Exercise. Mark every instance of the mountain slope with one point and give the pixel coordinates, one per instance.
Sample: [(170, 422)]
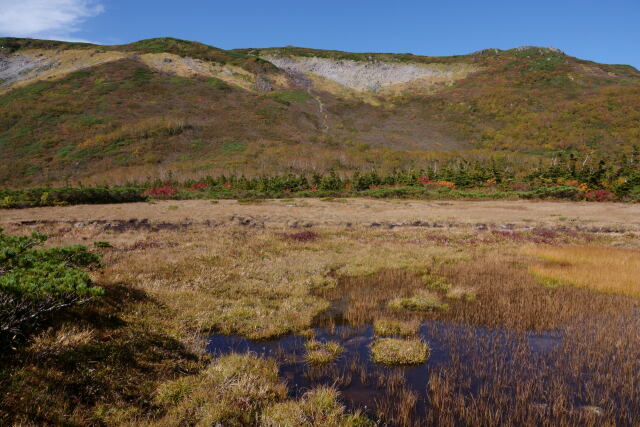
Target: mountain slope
[(72, 111)]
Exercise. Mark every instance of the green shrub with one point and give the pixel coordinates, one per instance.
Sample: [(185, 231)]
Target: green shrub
[(37, 282), (557, 192), (69, 196)]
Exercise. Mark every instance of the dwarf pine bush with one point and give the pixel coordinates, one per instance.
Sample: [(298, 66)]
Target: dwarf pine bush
[(35, 282)]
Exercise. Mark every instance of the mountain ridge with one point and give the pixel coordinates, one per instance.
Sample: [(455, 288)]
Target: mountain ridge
[(74, 111)]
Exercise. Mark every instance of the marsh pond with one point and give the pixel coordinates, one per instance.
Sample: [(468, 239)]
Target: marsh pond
[(461, 346)]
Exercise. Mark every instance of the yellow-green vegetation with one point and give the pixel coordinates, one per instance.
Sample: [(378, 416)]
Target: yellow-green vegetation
[(615, 270), (288, 97), (319, 353), (392, 327), (318, 407), (395, 351), (420, 301), (466, 294), (230, 391), (436, 283)]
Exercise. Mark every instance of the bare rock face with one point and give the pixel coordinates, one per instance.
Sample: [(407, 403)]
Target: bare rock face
[(543, 49), (14, 68), (263, 84), (366, 75)]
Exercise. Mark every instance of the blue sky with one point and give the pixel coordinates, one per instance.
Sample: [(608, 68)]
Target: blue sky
[(603, 31)]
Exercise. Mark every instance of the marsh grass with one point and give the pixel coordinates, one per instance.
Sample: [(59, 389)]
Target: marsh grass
[(615, 270), (394, 351), (466, 294), (230, 391), (137, 357)]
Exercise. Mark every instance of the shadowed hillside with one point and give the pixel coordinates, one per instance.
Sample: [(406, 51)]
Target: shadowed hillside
[(81, 112)]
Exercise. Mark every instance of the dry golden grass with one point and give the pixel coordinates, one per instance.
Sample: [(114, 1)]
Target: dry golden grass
[(318, 407), (230, 391), (147, 128), (256, 283), (603, 269)]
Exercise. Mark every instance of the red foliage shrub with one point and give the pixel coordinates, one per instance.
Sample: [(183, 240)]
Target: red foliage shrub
[(199, 186), (600, 195), (165, 190)]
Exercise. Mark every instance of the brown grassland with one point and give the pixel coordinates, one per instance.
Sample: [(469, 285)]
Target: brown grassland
[(173, 276)]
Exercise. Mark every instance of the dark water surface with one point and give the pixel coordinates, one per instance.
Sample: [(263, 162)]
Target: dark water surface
[(581, 370), (364, 384)]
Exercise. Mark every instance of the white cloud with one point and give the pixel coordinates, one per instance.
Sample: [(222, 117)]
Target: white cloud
[(49, 19)]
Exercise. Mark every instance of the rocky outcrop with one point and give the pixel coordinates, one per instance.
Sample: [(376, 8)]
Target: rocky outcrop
[(18, 67), (369, 75)]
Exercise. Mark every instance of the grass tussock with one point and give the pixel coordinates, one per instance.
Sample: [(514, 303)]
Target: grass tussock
[(420, 301), (394, 351), (318, 407), (436, 283), (392, 327), (614, 270), (319, 353), (229, 392)]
